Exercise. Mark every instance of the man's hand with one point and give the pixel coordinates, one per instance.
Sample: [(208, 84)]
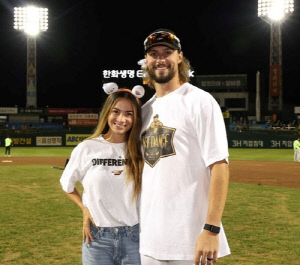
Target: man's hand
[(207, 247)]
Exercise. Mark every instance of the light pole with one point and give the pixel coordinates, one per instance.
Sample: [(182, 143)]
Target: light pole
[(275, 12), (31, 20)]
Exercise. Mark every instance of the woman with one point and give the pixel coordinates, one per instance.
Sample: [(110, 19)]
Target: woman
[(109, 165)]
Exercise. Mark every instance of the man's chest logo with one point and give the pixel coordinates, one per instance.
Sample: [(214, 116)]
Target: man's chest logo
[(157, 142)]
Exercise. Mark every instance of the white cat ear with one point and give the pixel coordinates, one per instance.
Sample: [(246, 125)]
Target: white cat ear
[(110, 88), (142, 63), (138, 91)]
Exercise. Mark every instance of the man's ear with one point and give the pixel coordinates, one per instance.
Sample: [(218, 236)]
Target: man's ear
[(180, 55)]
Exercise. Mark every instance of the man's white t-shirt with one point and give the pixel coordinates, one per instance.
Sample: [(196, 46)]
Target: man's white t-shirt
[(99, 166), (183, 133)]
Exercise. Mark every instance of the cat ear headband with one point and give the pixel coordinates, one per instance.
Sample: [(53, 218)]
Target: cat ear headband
[(110, 88)]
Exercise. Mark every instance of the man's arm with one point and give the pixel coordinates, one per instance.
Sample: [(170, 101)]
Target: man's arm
[(218, 192), (207, 244)]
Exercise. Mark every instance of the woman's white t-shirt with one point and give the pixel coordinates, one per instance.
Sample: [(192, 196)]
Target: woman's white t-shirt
[(99, 166)]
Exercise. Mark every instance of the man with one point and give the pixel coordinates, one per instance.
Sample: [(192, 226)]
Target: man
[(186, 174), (8, 144), (297, 150)]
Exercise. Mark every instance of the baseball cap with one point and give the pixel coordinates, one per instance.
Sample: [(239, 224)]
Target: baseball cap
[(162, 37)]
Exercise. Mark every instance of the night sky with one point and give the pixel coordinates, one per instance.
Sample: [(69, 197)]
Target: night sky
[(86, 37)]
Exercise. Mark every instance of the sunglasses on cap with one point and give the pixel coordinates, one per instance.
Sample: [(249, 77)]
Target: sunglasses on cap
[(163, 38)]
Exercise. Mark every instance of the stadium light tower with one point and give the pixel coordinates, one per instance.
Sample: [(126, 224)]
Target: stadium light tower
[(275, 12), (31, 20)]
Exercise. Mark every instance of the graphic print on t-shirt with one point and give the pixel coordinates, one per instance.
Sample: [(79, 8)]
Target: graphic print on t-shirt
[(110, 162), (157, 142), (117, 172)]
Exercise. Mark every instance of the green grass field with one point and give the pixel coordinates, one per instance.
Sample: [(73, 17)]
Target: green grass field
[(40, 226), (41, 151), (284, 155), (235, 153)]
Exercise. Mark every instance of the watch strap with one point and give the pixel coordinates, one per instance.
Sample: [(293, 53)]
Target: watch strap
[(212, 228)]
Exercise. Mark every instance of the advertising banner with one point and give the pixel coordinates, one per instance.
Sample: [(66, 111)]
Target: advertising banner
[(69, 110), (84, 119), (22, 141), (8, 110), (222, 82), (275, 80), (260, 140), (75, 139), (49, 141)]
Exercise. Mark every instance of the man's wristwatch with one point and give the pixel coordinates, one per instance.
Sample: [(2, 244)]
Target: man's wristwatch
[(212, 228)]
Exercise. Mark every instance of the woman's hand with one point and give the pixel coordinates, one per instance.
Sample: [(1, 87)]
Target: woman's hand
[(86, 230)]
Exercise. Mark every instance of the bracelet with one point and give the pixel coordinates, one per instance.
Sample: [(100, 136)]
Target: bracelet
[(212, 228)]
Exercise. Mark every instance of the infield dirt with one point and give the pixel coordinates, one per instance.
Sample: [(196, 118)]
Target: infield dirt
[(281, 174)]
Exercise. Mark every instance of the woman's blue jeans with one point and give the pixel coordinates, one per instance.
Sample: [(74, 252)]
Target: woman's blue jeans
[(112, 246)]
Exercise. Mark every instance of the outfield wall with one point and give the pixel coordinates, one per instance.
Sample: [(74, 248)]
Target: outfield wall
[(261, 139), (46, 138)]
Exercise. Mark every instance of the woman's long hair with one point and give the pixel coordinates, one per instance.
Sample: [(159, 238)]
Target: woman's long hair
[(133, 152)]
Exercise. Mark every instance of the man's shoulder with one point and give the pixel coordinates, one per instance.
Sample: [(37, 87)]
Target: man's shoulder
[(148, 102), (196, 92)]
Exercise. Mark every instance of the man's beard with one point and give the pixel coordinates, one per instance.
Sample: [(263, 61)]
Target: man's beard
[(161, 79)]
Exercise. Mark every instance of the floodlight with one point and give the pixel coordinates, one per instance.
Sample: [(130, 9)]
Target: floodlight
[(275, 12), (32, 20)]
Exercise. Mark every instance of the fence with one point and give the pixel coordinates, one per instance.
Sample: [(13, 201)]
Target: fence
[(73, 136)]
